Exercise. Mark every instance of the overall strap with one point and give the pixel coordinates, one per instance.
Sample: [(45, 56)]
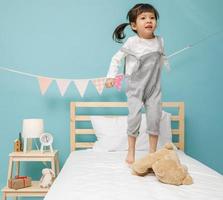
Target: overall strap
[(160, 44), (128, 52), (165, 59)]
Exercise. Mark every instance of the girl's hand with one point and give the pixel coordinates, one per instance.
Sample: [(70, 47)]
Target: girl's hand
[(110, 82)]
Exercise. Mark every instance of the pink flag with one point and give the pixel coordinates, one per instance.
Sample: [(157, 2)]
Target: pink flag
[(118, 81), (99, 84), (44, 83), (63, 84)]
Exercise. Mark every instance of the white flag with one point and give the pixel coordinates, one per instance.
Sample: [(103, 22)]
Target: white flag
[(63, 85), (81, 85)]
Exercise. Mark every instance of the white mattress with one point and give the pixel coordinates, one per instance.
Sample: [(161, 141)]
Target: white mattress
[(89, 175)]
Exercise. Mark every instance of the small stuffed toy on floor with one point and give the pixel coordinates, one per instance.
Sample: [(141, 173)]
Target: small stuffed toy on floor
[(166, 166), (47, 178)]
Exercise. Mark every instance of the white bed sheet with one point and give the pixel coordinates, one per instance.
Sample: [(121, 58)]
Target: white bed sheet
[(90, 175)]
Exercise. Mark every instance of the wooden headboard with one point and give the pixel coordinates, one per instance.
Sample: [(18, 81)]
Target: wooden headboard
[(74, 117)]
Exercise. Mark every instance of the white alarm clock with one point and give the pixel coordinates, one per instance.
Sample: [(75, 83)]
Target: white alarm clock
[(46, 139)]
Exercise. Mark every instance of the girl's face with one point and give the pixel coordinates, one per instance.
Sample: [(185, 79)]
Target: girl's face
[(145, 25)]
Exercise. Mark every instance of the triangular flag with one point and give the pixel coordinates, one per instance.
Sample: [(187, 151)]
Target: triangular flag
[(44, 83), (81, 85), (99, 84), (118, 81), (62, 85)]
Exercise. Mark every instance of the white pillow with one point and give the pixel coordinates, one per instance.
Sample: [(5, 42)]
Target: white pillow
[(111, 133)]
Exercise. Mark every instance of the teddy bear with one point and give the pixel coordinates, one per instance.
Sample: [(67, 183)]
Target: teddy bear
[(166, 166), (47, 178)]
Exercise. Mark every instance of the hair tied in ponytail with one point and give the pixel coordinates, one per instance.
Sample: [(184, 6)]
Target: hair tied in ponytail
[(118, 34)]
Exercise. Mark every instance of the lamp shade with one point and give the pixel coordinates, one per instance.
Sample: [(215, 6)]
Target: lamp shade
[(32, 128)]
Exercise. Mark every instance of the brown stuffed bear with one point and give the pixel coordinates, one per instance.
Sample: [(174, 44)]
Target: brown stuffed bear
[(166, 166)]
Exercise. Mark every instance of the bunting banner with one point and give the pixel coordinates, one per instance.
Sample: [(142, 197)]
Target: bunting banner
[(63, 84)]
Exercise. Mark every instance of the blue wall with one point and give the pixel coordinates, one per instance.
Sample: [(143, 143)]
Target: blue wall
[(72, 39)]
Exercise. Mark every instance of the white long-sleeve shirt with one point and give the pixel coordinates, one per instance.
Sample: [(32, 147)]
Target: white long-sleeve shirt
[(137, 45)]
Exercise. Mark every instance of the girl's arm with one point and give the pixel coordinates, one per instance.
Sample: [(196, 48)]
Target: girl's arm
[(115, 63), (113, 69)]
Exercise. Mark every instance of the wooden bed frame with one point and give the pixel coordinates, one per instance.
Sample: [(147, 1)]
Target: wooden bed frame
[(74, 117)]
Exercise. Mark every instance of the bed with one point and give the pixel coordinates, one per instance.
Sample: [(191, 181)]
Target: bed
[(95, 175)]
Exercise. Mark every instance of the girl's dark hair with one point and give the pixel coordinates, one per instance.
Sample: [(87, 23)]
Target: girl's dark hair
[(118, 34)]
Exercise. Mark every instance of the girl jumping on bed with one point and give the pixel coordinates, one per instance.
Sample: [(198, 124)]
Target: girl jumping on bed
[(144, 58)]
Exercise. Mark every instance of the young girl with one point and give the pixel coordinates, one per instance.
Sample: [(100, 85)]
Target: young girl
[(143, 54)]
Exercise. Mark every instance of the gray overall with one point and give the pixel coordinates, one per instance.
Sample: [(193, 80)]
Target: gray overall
[(143, 87)]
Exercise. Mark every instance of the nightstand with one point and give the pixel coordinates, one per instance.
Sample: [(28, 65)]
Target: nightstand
[(36, 156)]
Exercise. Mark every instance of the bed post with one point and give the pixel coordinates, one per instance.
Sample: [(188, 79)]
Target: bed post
[(72, 126), (181, 125)]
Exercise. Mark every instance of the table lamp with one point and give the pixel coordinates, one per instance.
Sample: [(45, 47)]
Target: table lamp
[(31, 128)]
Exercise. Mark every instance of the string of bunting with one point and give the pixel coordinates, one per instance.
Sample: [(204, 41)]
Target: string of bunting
[(62, 84), (81, 84)]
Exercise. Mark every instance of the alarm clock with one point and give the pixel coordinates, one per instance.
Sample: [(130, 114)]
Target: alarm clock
[(46, 140)]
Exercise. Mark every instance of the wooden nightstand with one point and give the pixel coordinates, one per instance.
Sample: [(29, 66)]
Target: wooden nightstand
[(34, 190)]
